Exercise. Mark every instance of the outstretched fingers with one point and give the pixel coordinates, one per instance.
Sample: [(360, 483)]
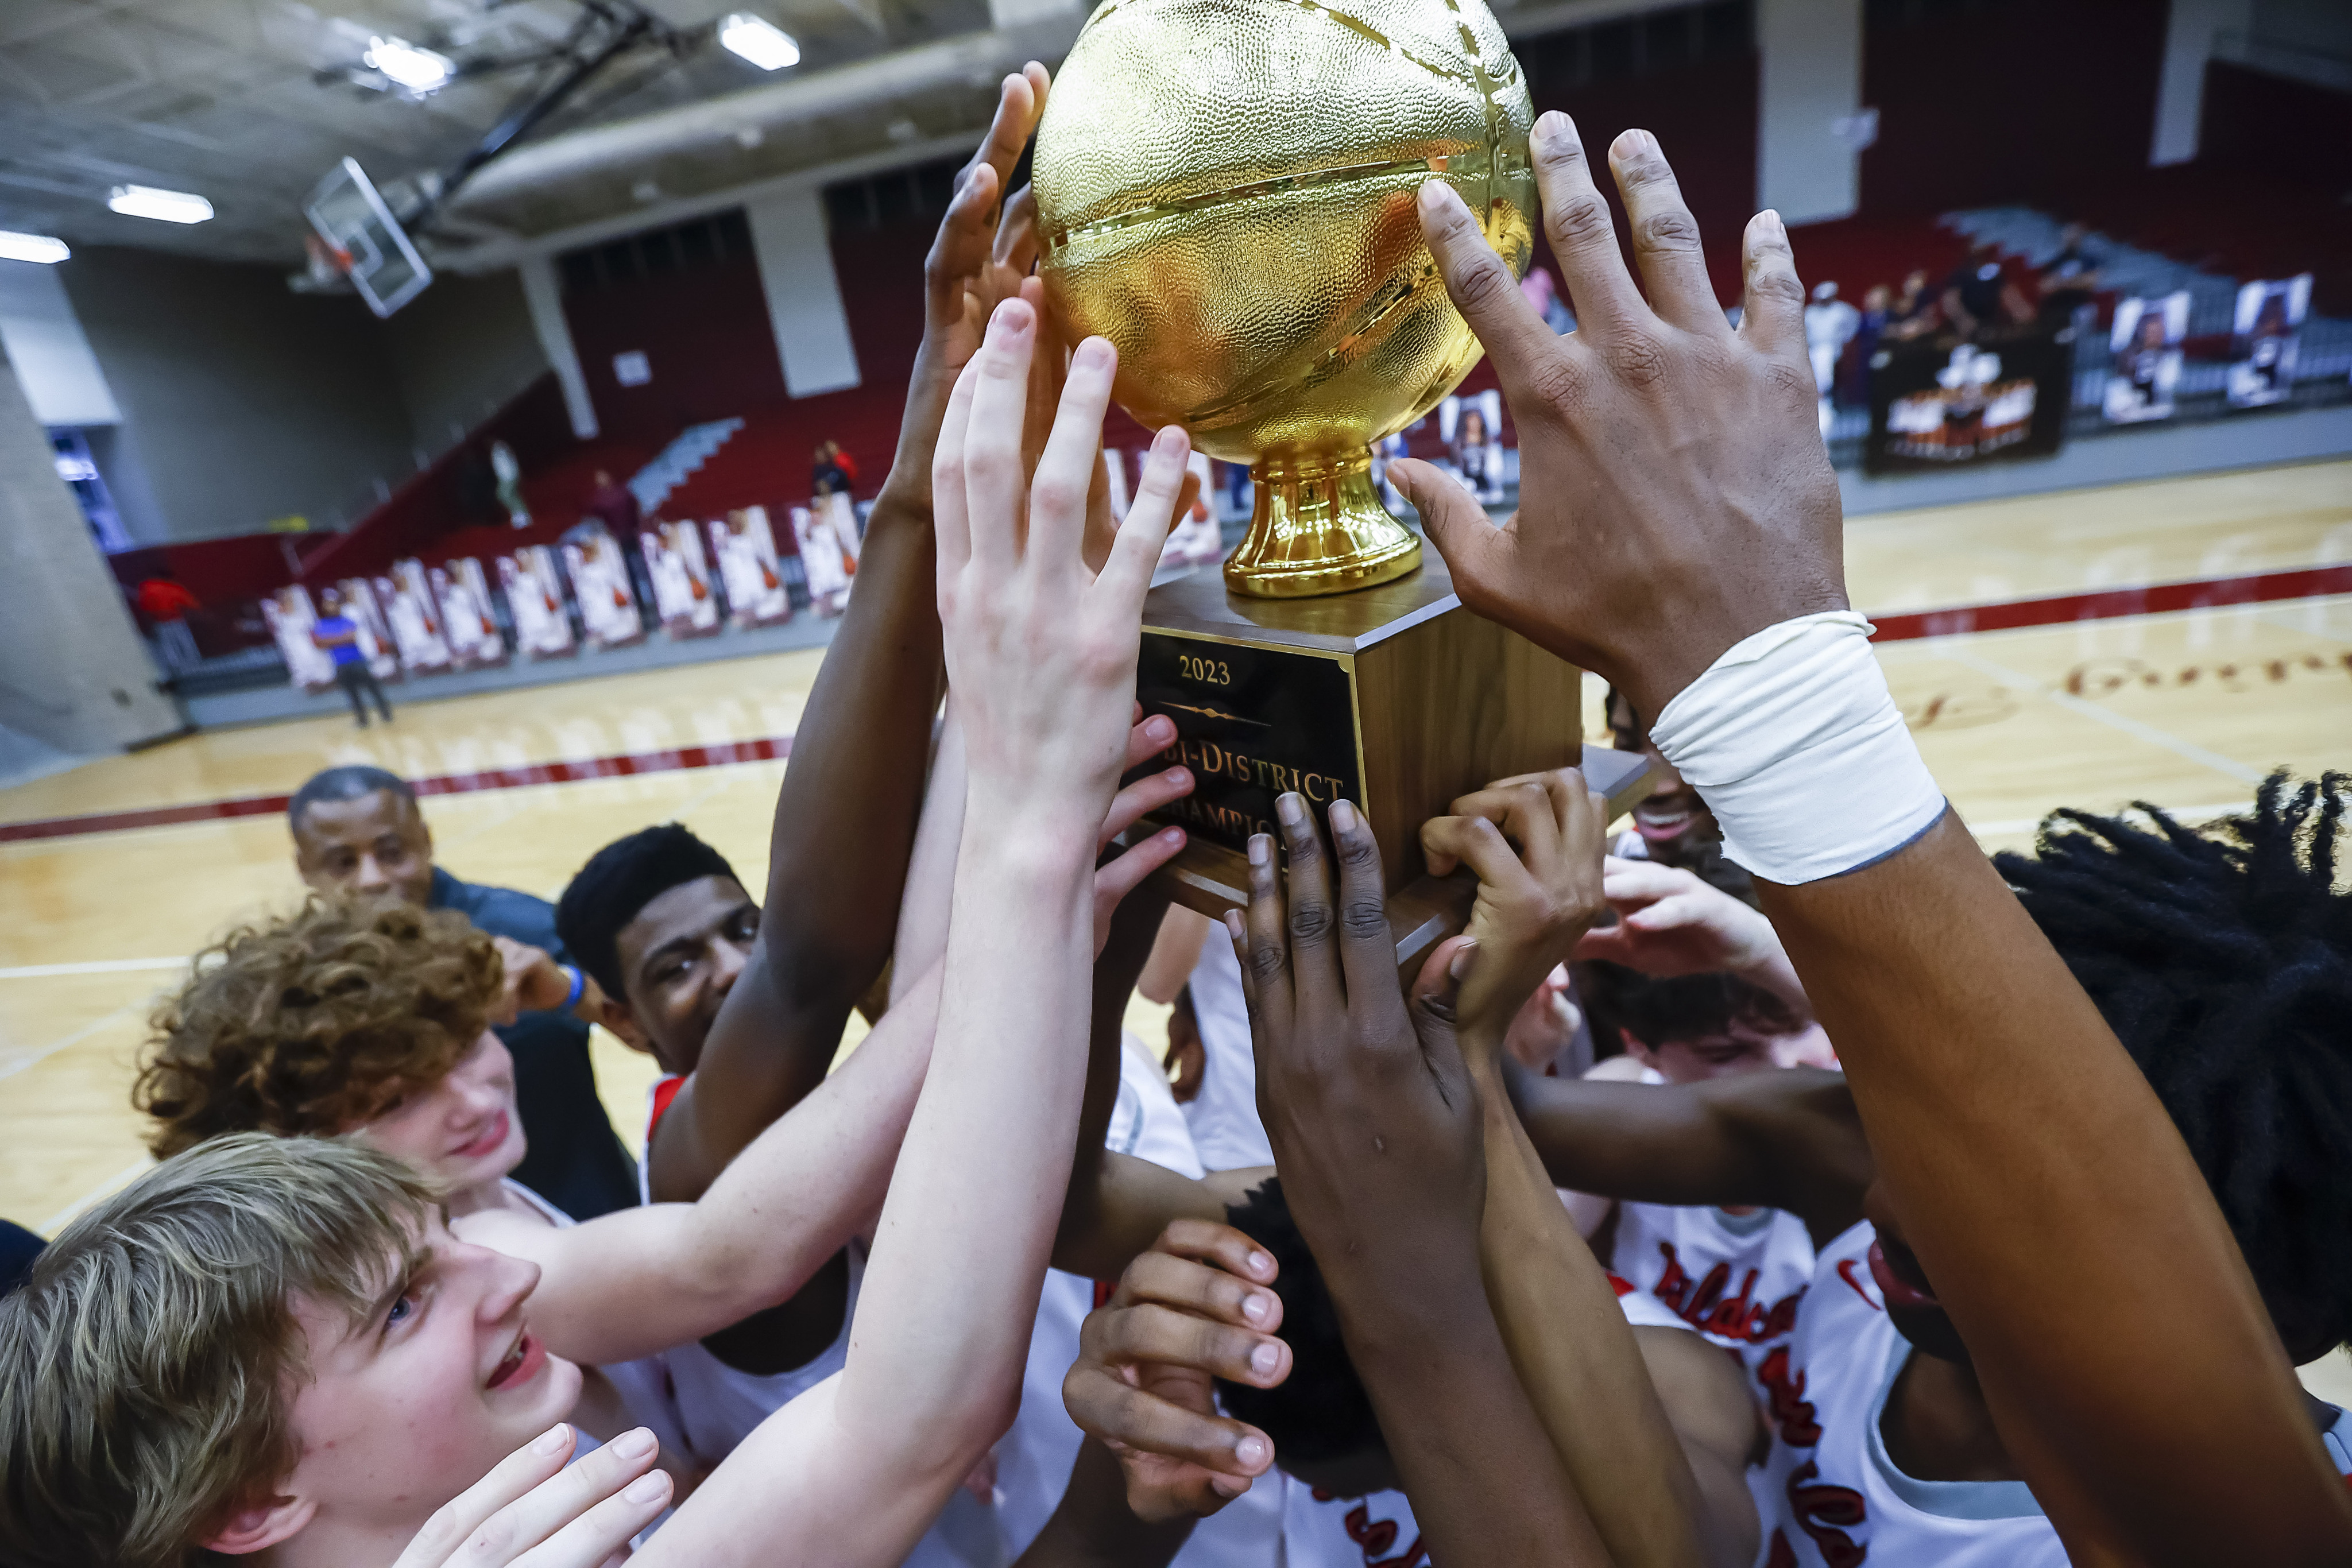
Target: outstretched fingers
[(1066, 471), (994, 476), (950, 503), (1474, 549), (1772, 313), (1577, 221), (1367, 951), (1158, 491), (1665, 236), (1482, 287), (1312, 923)]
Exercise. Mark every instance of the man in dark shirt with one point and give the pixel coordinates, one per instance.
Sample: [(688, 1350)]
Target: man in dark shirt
[(1979, 294), (2069, 279), (340, 637), (358, 830), (615, 505)]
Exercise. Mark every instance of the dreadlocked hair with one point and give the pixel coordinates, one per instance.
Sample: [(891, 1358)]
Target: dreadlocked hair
[(2222, 956)]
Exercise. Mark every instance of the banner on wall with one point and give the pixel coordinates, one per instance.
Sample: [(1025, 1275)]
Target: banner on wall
[(681, 578), (534, 591), (2146, 344), (414, 619), (1934, 409), (466, 622), (2265, 339), (365, 612), (599, 582), (757, 594), (289, 615)]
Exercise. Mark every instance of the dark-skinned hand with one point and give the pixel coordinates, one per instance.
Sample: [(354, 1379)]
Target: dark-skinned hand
[(1675, 496), (1368, 1106), (1533, 903), (1188, 1311)]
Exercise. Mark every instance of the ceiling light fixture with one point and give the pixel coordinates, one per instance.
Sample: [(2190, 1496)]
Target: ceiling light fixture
[(758, 40), (418, 69), (164, 206), (31, 248)]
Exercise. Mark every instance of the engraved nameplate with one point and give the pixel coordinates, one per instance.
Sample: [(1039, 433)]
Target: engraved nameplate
[(1251, 723)]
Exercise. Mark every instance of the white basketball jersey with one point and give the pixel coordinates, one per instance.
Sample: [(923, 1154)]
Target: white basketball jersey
[(1377, 1530), (1735, 1277), (1034, 1460), (1223, 1115)]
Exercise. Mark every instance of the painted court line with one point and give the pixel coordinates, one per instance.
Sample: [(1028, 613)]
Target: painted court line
[(2113, 720), (99, 966), (2106, 605)]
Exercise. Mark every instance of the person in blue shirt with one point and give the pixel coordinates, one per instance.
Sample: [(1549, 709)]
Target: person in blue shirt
[(358, 830), (340, 637)]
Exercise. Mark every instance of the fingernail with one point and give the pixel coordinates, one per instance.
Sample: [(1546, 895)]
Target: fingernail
[(1227, 1486), (1258, 1262), (1170, 438), (1159, 729), (1438, 198), (1251, 1451), (1635, 142), (1551, 124), (648, 1487), (633, 1443), (1773, 225), (1235, 928), (551, 1440), (1094, 354), (1343, 817), (1459, 966), (1011, 319), (1290, 809), (1178, 775), (1173, 836), (1261, 849), (1264, 1359), (1254, 1308)]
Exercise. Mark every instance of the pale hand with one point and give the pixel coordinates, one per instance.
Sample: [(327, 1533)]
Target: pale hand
[(531, 1511), (532, 982), (1670, 922), (1186, 1312), (1677, 497)]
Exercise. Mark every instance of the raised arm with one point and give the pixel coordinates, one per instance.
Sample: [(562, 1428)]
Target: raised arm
[(846, 812), (1041, 653), (2035, 1172), (1572, 1347), (1375, 1126)]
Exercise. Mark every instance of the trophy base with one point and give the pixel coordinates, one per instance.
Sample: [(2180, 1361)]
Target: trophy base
[(1318, 528)]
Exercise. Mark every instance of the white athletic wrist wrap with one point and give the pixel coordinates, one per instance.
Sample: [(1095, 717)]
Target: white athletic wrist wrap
[(1792, 739)]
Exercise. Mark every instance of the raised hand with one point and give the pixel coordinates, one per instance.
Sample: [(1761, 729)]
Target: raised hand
[(1119, 875), (1677, 496), (1185, 1314), (1377, 1127), (984, 250), (531, 1511), (1671, 923), (1532, 905), (1041, 649)]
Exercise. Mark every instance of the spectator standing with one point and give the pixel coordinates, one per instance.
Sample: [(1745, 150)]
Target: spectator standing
[(1979, 295), (2069, 279), (1830, 325), (510, 488), (340, 637), (615, 507), (167, 603), (1916, 312), (358, 830), (1877, 317)]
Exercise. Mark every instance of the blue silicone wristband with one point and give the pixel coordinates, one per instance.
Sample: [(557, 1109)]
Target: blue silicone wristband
[(579, 986)]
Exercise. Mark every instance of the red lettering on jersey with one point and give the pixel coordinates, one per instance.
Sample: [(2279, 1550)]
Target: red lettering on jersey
[(1377, 1538), (1622, 1285), (1704, 1307), (1789, 1407), (1783, 1555), (1821, 1511)]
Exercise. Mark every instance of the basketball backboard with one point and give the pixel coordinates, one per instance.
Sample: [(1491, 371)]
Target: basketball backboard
[(365, 240)]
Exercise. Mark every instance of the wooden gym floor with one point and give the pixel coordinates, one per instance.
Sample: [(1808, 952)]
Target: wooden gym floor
[(2170, 642)]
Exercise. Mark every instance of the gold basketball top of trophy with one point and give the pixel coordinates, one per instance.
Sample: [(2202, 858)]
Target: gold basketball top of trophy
[(1226, 190)]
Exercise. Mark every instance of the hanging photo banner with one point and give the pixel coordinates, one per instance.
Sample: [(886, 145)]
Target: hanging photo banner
[(682, 598), (365, 612), (464, 595), (290, 615), (534, 591), (745, 546), (600, 582), (2146, 344), (415, 620), (1934, 409), (2265, 338)]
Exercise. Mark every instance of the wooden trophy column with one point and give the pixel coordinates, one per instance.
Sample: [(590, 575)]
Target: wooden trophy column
[(1394, 697)]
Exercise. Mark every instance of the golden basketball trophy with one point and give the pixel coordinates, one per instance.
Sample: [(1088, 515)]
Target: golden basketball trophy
[(1226, 190)]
